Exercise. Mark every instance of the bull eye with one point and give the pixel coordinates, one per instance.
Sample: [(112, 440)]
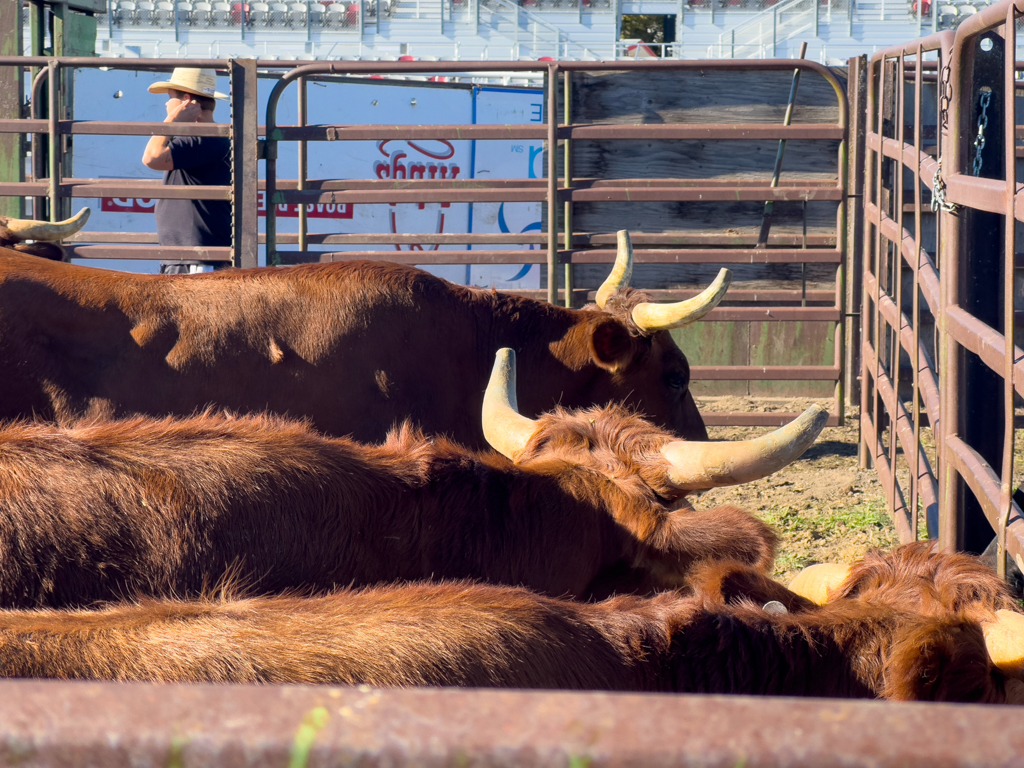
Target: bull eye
[(677, 380)]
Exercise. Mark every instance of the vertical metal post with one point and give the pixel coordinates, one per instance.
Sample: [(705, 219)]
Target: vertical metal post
[(948, 244), (982, 422), (915, 311), (53, 137), (855, 215), (244, 171), (567, 224), (12, 153), (1009, 253), (897, 292), (303, 167), (552, 104)]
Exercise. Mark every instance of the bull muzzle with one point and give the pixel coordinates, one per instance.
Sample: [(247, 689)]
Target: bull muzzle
[(30, 229), (650, 317)]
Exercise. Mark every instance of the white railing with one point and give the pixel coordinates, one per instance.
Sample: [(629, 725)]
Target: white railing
[(533, 36), (759, 36)]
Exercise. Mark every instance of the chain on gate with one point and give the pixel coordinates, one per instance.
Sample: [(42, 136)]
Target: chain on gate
[(979, 141), (939, 201)]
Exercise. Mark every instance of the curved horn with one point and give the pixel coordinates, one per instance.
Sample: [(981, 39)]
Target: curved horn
[(815, 581), (1004, 639), (28, 229), (664, 317), (505, 429), (698, 466), (622, 270)]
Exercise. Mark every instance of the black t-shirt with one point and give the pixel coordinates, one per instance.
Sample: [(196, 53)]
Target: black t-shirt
[(197, 160)]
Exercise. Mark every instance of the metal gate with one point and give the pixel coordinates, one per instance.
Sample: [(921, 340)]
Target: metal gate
[(564, 191), (942, 208)]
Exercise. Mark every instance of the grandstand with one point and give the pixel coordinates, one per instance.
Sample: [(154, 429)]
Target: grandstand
[(476, 30)]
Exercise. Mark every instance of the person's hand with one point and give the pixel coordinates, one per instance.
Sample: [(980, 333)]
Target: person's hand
[(183, 112)]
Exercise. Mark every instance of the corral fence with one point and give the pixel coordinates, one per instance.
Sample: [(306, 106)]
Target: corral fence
[(941, 289), (714, 194), (932, 288)]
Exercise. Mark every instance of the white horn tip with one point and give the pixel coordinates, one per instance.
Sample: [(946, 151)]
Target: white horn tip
[(815, 581), (1004, 639)]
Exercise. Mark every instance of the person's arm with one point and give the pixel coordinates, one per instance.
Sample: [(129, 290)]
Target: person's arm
[(157, 154)]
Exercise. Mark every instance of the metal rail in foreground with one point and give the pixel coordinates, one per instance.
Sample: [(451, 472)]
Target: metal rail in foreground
[(192, 726)]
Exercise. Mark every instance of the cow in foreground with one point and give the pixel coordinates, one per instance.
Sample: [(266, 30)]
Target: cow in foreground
[(458, 634), (586, 503), (355, 347)]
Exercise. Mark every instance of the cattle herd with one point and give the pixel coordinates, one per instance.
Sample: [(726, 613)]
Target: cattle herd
[(360, 473)]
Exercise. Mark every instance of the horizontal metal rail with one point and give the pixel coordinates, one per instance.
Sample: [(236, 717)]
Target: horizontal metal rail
[(58, 723)]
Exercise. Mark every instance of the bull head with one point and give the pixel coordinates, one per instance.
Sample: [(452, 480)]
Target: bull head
[(649, 317), (20, 230), (694, 466), (1004, 635)]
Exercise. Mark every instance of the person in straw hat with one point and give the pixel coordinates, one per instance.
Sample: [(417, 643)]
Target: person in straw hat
[(191, 160)]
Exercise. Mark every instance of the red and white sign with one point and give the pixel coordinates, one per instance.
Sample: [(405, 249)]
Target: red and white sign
[(287, 210)]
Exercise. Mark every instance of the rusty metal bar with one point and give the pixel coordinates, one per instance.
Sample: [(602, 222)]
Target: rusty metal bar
[(204, 725), (750, 255), (552, 192), (53, 149), (567, 223)]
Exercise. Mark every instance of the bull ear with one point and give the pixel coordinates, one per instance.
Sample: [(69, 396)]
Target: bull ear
[(611, 345)]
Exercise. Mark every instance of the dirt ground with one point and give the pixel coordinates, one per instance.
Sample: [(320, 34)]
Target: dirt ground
[(825, 508)]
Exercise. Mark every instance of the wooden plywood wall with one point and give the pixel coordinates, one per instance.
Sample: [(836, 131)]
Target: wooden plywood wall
[(709, 96)]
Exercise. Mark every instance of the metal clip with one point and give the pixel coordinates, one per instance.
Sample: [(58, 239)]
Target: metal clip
[(939, 201)]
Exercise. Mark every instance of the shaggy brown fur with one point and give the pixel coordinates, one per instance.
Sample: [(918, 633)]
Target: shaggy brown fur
[(356, 347), (480, 635), (934, 605), (111, 509)]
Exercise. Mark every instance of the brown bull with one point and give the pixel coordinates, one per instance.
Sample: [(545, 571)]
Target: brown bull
[(112, 509), (489, 636), (354, 347)]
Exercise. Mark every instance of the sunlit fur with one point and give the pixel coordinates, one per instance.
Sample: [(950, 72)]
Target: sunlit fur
[(909, 620), (461, 634), (108, 509), (355, 347)]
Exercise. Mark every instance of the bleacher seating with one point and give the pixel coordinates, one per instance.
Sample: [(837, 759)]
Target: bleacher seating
[(125, 14), (334, 16), (259, 15), (184, 13), (202, 13), (144, 13), (297, 13), (163, 14), (317, 14), (278, 14), (220, 15)]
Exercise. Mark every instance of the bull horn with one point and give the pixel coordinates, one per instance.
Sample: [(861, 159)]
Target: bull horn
[(505, 429), (622, 270), (29, 229), (1004, 639), (664, 317), (815, 581), (698, 466)]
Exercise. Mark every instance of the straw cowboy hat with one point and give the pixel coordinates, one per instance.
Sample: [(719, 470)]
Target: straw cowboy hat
[(201, 82)]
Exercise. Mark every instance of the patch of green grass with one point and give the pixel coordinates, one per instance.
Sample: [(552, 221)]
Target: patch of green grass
[(829, 522)]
